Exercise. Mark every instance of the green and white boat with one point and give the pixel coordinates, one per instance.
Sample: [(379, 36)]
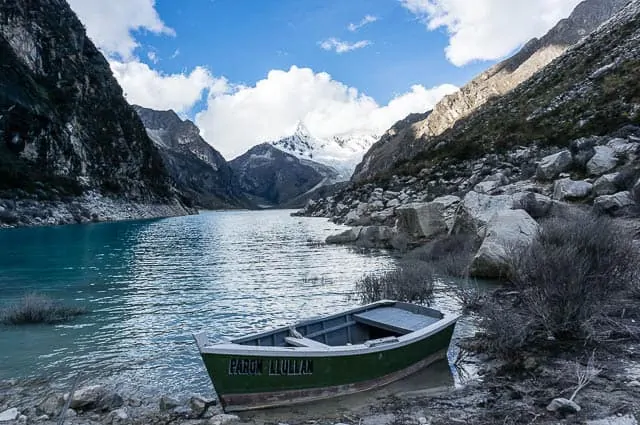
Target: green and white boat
[(345, 353)]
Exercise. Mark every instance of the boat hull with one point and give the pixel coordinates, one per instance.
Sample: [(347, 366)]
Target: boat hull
[(246, 381)]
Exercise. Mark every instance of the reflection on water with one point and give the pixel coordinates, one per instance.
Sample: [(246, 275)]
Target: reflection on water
[(150, 284)]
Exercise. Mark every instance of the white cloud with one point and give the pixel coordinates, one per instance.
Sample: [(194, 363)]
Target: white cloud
[(340, 46), (152, 89), (109, 23), (235, 121), (368, 19), (153, 56), (489, 29)]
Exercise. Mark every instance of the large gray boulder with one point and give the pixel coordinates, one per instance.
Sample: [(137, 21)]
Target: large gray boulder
[(551, 166), (614, 204), (605, 185), (427, 220), (346, 237), (478, 209), (602, 162), (622, 146), (366, 237), (567, 189), (507, 230), (535, 204)]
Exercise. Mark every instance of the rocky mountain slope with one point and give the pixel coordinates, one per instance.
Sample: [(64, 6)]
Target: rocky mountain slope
[(272, 177), (341, 152), (566, 139), (496, 81), (197, 168), (66, 128)]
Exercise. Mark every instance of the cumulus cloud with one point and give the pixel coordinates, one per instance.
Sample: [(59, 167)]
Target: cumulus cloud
[(152, 89), (109, 23), (489, 29), (340, 46), (237, 120), (368, 19)]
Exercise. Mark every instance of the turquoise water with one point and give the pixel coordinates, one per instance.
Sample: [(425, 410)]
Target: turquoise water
[(150, 284)]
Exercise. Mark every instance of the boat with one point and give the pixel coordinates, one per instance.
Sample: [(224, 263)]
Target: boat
[(356, 350)]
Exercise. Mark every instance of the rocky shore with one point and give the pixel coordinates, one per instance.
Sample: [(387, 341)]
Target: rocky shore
[(90, 207)]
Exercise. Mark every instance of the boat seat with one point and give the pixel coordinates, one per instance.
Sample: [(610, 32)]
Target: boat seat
[(305, 342), (394, 319)]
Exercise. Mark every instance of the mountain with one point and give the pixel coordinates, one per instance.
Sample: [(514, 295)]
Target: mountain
[(65, 126), (198, 169), (498, 80), (272, 177), (341, 152)]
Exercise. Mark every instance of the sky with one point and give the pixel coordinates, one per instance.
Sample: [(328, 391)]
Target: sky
[(247, 71)]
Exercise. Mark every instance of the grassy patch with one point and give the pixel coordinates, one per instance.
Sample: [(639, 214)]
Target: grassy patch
[(410, 282), (37, 308)]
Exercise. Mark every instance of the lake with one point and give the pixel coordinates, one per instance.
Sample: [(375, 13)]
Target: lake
[(149, 285)]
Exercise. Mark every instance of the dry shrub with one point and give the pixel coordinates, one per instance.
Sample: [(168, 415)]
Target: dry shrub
[(565, 278), (410, 282), (36, 308)]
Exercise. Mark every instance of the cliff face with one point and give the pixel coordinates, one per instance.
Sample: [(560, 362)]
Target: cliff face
[(496, 81), (275, 178), (66, 127), (199, 171)]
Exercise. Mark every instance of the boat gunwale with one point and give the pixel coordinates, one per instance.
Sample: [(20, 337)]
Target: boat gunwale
[(333, 351)]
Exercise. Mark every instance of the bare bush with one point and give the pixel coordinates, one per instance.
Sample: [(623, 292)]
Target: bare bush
[(470, 295), (410, 282), (564, 279), (35, 308)]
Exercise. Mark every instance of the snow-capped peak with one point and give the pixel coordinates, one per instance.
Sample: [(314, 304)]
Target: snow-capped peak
[(342, 152)]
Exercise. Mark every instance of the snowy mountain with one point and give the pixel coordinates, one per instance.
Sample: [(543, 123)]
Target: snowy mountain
[(342, 152)]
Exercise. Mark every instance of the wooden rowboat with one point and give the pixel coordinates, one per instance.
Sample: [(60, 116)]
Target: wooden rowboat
[(352, 351)]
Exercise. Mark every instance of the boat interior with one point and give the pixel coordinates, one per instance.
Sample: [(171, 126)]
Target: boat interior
[(370, 325)]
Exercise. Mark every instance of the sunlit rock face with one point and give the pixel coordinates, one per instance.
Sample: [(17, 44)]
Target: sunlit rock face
[(65, 125), (496, 81)]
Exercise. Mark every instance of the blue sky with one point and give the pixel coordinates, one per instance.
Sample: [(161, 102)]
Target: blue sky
[(247, 71), (245, 39)]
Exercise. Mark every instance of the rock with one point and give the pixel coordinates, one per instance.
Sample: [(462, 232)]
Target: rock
[(42, 418), (487, 186), (628, 419), (506, 230), (582, 150), (223, 419), (118, 416), (563, 406), (70, 413), (346, 237), (603, 161), (22, 419), (199, 405), (614, 204), (622, 146), (606, 185), (375, 237), (535, 204), (552, 165), (393, 203), (51, 406), (478, 209), (167, 403), (567, 189), (87, 397), (9, 415), (384, 215), (425, 220)]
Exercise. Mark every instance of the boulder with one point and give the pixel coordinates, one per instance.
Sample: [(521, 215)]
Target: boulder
[(582, 150), (427, 220), (199, 405), (118, 416), (9, 415), (602, 162), (51, 405), (167, 403), (563, 406), (346, 237), (614, 204), (478, 209), (567, 189), (87, 398), (535, 204), (384, 215), (375, 237), (622, 146), (606, 185), (506, 230), (551, 166), (487, 186)]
